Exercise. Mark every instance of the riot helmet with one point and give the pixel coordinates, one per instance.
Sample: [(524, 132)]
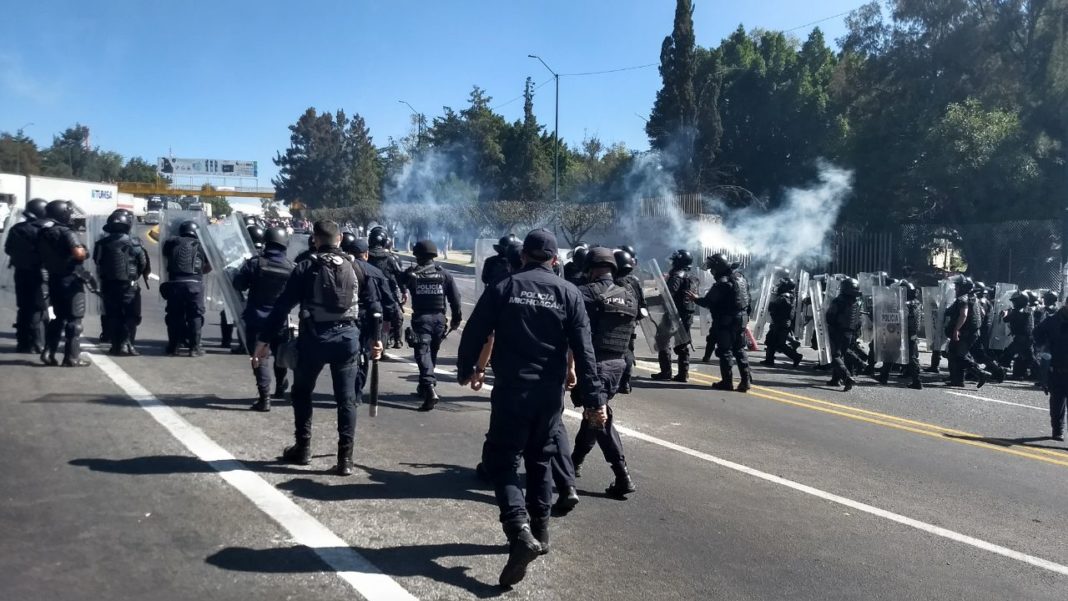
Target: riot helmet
[(786, 285), (964, 285), (276, 236), (502, 245), (348, 243), (717, 263), (910, 290), (256, 233), (1018, 299), (188, 229), (425, 249), (600, 256), (118, 222), (1032, 298), (849, 287), (60, 211), (1050, 298), (629, 250), (980, 290), (378, 237), (35, 209), (625, 262), (681, 259)]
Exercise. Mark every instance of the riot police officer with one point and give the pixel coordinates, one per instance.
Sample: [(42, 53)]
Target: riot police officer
[(430, 287), (964, 319), (63, 255), (729, 304), (912, 333), (121, 261), (226, 327), (683, 287), (1053, 334), (781, 311), (379, 255), (535, 319), (1042, 354), (613, 312), (496, 268), (31, 299), (1021, 352), (843, 323), (575, 269), (625, 265), (327, 289), (376, 302), (264, 277), (186, 265)]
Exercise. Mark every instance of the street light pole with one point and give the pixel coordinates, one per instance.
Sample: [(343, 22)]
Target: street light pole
[(419, 121), (556, 131)]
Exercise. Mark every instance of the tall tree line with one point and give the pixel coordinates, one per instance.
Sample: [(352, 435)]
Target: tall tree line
[(70, 156)]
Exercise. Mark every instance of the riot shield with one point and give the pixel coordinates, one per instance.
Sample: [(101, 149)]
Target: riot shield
[(888, 317), (227, 245), (831, 291), (168, 228), (934, 312), (999, 330), (94, 231), (803, 278), (819, 320), (704, 283), (663, 324), (7, 273), (483, 250), (760, 316), (868, 283)]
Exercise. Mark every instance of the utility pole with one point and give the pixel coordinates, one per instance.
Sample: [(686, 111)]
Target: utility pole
[(556, 132)]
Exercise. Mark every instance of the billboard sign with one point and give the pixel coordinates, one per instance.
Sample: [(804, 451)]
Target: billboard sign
[(212, 167)]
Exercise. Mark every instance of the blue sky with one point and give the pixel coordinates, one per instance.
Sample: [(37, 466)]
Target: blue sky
[(224, 79)]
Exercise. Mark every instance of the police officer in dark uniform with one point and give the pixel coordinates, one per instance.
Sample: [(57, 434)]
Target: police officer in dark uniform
[(1021, 352), (535, 318), (575, 269), (1042, 354), (626, 263), (226, 327), (376, 302), (912, 332), (683, 288), (843, 323), (186, 265), (327, 289), (981, 350), (263, 278), (380, 256), (496, 268), (31, 299), (430, 287), (613, 312), (729, 303), (1052, 333), (964, 321), (306, 254), (121, 261), (781, 311), (63, 256)]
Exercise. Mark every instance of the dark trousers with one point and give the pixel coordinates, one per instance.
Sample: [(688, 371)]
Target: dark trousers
[(32, 304), (263, 373), (1021, 353), (731, 346), (339, 347), (912, 367), (681, 350), (67, 295), (184, 312), (522, 423), (624, 382), (778, 341), (122, 311), (841, 348), (1058, 399), (960, 357), (429, 329), (608, 372)]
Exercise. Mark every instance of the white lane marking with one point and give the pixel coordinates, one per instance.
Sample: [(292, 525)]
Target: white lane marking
[(827, 496), (983, 398), (305, 530)]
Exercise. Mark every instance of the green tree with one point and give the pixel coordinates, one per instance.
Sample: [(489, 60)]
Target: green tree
[(18, 154), (137, 169), (315, 168), (527, 174), (672, 126), (364, 170)]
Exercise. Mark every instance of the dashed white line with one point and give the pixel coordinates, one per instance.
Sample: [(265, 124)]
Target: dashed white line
[(983, 398)]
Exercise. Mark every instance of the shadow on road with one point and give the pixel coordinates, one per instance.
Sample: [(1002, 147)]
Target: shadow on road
[(450, 482), (181, 464), (1013, 442), (414, 560)]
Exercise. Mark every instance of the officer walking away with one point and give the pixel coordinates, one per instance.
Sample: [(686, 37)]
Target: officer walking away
[(843, 323), (626, 263), (729, 303), (683, 288), (376, 299), (1052, 333), (379, 255), (327, 289), (1021, 352), (21, 245), (263, 278), (575, 269), (781, 310), (121, 261), (1042, 355), (63, 256), (613, 312), (535, 317), (495, 268), (186, 265), (965, 320), (430, 287)]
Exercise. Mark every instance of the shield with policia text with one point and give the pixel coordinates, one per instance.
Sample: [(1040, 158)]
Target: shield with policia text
[(662, 329), (934, 312), (483, 250), (888, 321), (227, 245), (819, 321), (999, 330), (868, 282)]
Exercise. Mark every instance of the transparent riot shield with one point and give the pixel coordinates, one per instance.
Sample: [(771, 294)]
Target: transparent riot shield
[(228, 246), (831, 291), (934, 313), (760, 315), (169, 223), (663, 324), (803, 278), (704, 283), (999, 330), (888, 317), (819, 321), (868, 283), (94, 231), (7, 273), (483, 250)]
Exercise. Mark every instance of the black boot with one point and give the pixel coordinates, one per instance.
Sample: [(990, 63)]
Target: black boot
[(683, 375), (172, 349), (769, 359), (299, 453), (344, 459), (983, 376), (916, 384), (623, 484), (849, 382), (280, 387), (567, 501), (539, 527), (262, 405), (726, 374), (523, 548), (747, 379), (116, 350), (665, 367), (227, 336), (48, 357), (430, 398), (130, 350), (195, 350)]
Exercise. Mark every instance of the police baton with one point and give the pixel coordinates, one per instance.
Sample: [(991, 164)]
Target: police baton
[(372, 403)]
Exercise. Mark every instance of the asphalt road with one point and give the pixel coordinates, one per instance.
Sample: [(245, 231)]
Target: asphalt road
[(148, 478)]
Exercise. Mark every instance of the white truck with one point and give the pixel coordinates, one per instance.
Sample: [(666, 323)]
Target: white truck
[(89, 198)]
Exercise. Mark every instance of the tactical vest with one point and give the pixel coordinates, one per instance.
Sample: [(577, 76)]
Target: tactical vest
[(185, 259), (682, 299), (1021, 322), (21, 244), (117, 261), (384, 261), (975, 316), (495, 269), (848, 315), (913, 318), (614, 319), (269, 281), (427, 284), (334, 295), (741, 292), (781, 310), (57, 244)]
